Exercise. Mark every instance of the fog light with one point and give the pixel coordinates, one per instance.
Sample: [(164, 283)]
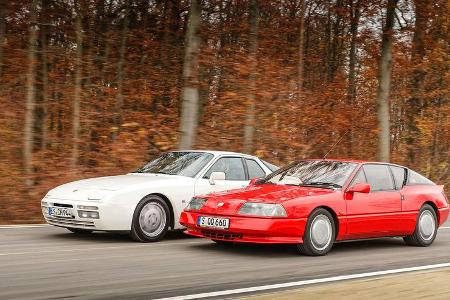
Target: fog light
[(88, 207), (88, 214)]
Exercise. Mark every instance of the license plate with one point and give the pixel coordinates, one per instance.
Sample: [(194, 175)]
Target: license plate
[(221, 223), (61, 212)]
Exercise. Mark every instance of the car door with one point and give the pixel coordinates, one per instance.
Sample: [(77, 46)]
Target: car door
[(235, 176), (376, 213)]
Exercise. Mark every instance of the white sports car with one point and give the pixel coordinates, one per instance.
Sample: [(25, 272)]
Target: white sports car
[(148, 202)]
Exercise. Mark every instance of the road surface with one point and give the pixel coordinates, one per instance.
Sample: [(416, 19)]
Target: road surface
[(52, 263)]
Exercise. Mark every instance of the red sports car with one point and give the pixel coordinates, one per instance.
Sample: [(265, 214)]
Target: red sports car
[(313, 203)]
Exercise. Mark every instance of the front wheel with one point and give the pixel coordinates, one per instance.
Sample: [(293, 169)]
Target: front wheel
[(151, 220), (426, 228), (319, 235)]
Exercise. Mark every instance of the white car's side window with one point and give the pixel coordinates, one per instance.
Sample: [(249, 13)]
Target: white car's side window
[(254, 169), (231, 166)]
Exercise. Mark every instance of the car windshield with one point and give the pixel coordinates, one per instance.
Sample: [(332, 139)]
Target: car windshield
[(320, 173), (177, 163)]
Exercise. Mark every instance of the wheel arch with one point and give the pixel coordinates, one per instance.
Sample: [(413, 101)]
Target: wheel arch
[(333, 214), (169, 204), (436, 210)]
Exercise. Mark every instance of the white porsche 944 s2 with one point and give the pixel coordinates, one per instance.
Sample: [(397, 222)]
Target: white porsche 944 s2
[(148, 202)]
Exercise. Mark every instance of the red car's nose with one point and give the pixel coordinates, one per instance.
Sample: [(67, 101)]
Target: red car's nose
[(221, 207)]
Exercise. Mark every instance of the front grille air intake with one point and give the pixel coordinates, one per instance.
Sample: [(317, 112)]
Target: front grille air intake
[(69, 222), (215, 234)]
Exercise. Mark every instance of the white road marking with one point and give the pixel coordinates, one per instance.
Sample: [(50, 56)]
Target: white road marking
[(23, 226), (305, 282), (100, 248), (445, 227)]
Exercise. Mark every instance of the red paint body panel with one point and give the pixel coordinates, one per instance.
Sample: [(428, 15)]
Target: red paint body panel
[(373, 214), (358, 215), (249, 229)]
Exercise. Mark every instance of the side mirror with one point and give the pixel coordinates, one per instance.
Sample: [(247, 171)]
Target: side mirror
[(254, 181), (216, 176), (360, 188)]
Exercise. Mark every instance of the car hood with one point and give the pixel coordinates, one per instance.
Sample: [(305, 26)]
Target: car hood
[(266, 193), (99, 187)]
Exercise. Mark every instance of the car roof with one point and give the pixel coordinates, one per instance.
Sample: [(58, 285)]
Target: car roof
[(357, 161), (216, 152)]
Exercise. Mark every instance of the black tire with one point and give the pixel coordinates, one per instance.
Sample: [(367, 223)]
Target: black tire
[(137, 233), (80, 231), (308, 247), (417, 238)]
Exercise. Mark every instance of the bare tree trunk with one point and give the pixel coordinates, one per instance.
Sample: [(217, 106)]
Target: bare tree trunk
[(355, 15), (78, 88), (44, 77), (190, 92), (423, 12), (335, 43), (249, 130), (351, 87), (120, 72), (31, 96), (384, 83), (2, 35), (301, 46)]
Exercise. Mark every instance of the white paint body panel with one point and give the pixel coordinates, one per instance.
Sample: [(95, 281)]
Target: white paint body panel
[(117, 196)]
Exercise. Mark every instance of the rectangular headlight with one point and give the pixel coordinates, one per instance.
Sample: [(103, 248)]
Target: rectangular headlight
[(88, 214), (196, 204), (262, 209), (87, 207)]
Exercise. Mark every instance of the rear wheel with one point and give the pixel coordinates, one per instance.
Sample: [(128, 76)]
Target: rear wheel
[(151, 220), (80, 231), (426, 228), (319, 233)]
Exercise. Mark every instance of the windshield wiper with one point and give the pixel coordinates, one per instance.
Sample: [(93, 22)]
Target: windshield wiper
[(158, 172), (323, 184)]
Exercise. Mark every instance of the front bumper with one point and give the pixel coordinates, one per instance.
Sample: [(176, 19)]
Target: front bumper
[(248, 229), (110, 218)]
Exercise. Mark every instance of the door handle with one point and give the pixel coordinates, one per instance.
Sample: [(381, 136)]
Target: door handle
[(402, 197)]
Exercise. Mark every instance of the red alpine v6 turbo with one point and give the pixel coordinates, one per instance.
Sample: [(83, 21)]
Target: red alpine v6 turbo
[(313, 203)]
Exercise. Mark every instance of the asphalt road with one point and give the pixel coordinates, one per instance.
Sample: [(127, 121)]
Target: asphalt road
[(52, 263)]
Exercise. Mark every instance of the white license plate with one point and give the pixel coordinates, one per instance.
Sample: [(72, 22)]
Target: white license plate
[(61, 212), (221, 223)]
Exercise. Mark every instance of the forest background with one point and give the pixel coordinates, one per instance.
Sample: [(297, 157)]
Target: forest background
[(99, 87)]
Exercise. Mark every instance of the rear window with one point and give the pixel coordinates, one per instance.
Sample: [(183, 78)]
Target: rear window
[(415, 178)]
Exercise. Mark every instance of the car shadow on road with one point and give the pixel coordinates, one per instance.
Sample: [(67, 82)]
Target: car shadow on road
[(114, 237), (279, 250)]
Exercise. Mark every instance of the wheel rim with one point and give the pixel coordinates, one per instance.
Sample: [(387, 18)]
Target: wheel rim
[(152, 219), (321, 232), (427, 225)]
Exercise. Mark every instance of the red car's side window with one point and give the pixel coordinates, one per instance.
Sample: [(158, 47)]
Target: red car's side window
[(360, 177), (399, 176), (379, 177)]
